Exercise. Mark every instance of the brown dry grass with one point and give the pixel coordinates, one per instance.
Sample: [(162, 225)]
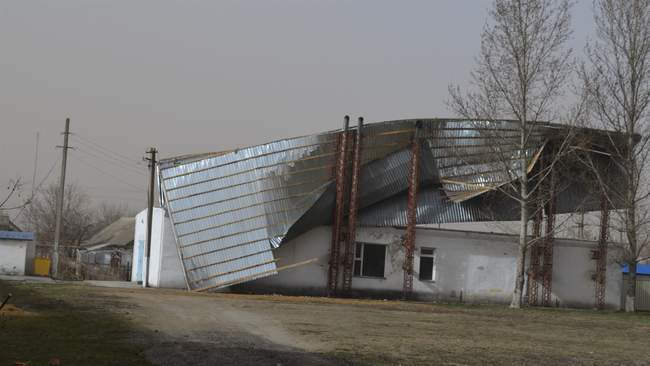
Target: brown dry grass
[(346, 331), (13, 310)]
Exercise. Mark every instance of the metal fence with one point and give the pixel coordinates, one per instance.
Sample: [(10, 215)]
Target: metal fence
[(106, 272), (69, 261), (643, 293), (74, 265)]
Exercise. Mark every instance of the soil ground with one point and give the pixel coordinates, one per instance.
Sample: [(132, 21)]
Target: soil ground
[(82, 324)]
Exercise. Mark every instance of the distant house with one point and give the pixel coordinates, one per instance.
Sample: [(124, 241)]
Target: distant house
[(16, 248), (108, 254), (7, 225)]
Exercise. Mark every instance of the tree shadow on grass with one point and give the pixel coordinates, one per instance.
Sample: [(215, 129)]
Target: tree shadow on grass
[(53, 327)]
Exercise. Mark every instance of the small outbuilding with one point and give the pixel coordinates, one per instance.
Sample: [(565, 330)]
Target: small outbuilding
[(165, 269), (16, 252)]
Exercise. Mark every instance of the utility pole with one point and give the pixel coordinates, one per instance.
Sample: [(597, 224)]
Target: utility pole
[(152, 176), (59, 202)]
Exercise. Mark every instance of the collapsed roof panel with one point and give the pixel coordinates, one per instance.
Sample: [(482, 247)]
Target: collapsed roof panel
[(231, 209)]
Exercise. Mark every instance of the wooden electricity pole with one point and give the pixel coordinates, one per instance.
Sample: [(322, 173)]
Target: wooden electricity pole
[(59, 202), (152, 177)]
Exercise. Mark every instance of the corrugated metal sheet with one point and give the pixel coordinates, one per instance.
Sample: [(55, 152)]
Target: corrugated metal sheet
[(433, 208), (231, 209), (469, 160)]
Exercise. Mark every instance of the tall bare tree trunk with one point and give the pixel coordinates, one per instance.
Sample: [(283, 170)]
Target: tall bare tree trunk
[(630, 288), (521, 71), (517, 295), (616, 78)]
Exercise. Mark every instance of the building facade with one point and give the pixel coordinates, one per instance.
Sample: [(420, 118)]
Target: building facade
[(449, 266), (16, 252)]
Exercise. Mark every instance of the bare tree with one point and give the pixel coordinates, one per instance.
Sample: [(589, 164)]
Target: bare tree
[(107, 213), (13, 191), (81, 219), (522, 68), (616, 78), (78, 221)]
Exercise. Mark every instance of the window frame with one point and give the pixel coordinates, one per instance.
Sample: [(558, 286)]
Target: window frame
[(433, 263), (360, 260)]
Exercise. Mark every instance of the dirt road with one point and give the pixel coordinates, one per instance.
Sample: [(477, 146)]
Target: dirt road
[(180, 328), (204, 330)]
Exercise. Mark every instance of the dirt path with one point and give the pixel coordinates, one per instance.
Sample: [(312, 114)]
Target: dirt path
[(204, 330)]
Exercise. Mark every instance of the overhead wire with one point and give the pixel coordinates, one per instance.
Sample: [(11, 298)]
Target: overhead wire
[(119, 189), (35, 189), (128, 199), (107, 150), (106, 173), (130, 168), (131, 164)]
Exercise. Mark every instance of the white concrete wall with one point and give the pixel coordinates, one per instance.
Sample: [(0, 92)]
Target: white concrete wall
[(573, 270), (13, 254), (155, 255), (164, 263), (478, 265), (171, 273)]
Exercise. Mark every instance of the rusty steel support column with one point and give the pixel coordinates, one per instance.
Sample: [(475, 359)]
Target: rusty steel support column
[(601, 255), (411, 215), (348, 258), (549, 240), (339, 181)]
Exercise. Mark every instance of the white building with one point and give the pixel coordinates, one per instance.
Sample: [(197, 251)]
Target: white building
[(449, 266), (16, 252), (165, 268), (265, 211)]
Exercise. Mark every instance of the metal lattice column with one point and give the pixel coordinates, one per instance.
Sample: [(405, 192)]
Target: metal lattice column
[(339, 181), (348, 259), (601, 255), (411, 216)]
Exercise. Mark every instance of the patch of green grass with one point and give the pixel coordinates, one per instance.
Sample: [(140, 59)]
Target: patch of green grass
[(76, 335)]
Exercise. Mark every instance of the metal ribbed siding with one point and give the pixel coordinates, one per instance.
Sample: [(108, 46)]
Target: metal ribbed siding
[(470, 155), (433, 208), (229, 211)]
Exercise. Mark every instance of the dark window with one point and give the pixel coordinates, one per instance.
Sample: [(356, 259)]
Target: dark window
[(357, 259), (369, 260), (427, 268)]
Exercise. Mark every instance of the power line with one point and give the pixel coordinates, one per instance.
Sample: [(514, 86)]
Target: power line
[(118, 189), (120, 165), (109, 155), (38, 187), (107, 174), (48, 174), (119, 198), (106, 155), (122, 156)]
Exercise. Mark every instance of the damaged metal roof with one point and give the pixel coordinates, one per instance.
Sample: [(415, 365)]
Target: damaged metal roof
[(231, 209)]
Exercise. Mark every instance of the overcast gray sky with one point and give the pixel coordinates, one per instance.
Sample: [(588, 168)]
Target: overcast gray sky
[(197, 76)]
